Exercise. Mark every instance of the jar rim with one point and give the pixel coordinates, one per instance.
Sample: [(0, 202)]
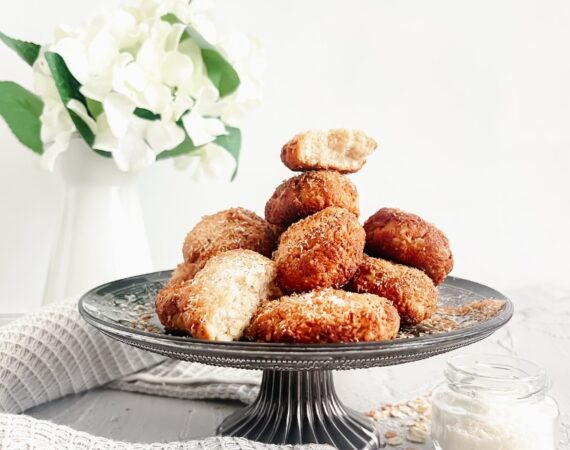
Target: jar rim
[(496, 375)]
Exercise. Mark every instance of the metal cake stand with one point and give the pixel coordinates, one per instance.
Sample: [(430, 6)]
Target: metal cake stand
[(297, 402)]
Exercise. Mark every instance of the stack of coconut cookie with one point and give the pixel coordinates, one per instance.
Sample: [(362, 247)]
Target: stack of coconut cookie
[(308, 272)]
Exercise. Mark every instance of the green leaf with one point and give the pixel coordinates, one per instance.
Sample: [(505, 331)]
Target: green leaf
[(171, 18), (28, 51), (232, 143), (94, 107), (184, 148), (146, 114), (102, 153), (68, 88), (220, 71), (21, 110)]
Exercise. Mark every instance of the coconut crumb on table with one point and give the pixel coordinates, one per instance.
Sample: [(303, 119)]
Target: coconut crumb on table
[(395, 440), (407, 422)]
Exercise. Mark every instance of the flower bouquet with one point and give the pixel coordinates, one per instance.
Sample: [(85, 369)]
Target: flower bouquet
[(145, 82), (149, 81)]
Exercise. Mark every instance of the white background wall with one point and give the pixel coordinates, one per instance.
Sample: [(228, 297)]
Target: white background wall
[(470, 101)]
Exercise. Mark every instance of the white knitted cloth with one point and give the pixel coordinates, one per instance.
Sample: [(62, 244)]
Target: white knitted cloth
[(182, 379), (23, 432), (53, 353)]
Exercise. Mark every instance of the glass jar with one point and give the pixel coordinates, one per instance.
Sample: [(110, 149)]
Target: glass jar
[(492, 402)]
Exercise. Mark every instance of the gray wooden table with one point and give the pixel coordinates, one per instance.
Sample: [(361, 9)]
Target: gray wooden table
[(134, 417), (137, 417)]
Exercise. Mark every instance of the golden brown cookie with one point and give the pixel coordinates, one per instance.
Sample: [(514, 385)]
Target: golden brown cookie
[(339, 149), (222, 298), (167, 304), (308, 193), (320, 251), (325, 316), (410, 290), (184, 272), (408, 239), (228, 230), (166, 301)]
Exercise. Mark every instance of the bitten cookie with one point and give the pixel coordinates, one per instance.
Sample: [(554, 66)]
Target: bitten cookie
[(339, 149), (308, 193), (167, 299), (222, 298), (325, 316), (184, 272), (408, 239), (167, 305), (322, 250), (410, 290)]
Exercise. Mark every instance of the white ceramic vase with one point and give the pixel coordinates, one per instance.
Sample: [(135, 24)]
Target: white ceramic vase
[(102, 235)]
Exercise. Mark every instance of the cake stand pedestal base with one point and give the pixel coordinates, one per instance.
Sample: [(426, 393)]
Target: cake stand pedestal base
[(301, 407)]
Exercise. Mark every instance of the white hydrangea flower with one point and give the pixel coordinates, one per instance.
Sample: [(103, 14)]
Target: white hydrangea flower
[(57, 126), (199, 78), (92, 51), (200, 123), (157, 69), (208, 162), (133, 142), (196, 13), (248, 59), (132, 62)]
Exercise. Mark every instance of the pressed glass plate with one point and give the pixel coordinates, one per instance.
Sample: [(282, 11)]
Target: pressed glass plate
[(297, 403), (124, 309)]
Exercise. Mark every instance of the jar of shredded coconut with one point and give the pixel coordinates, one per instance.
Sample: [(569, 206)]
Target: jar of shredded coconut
[(492, 402)]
